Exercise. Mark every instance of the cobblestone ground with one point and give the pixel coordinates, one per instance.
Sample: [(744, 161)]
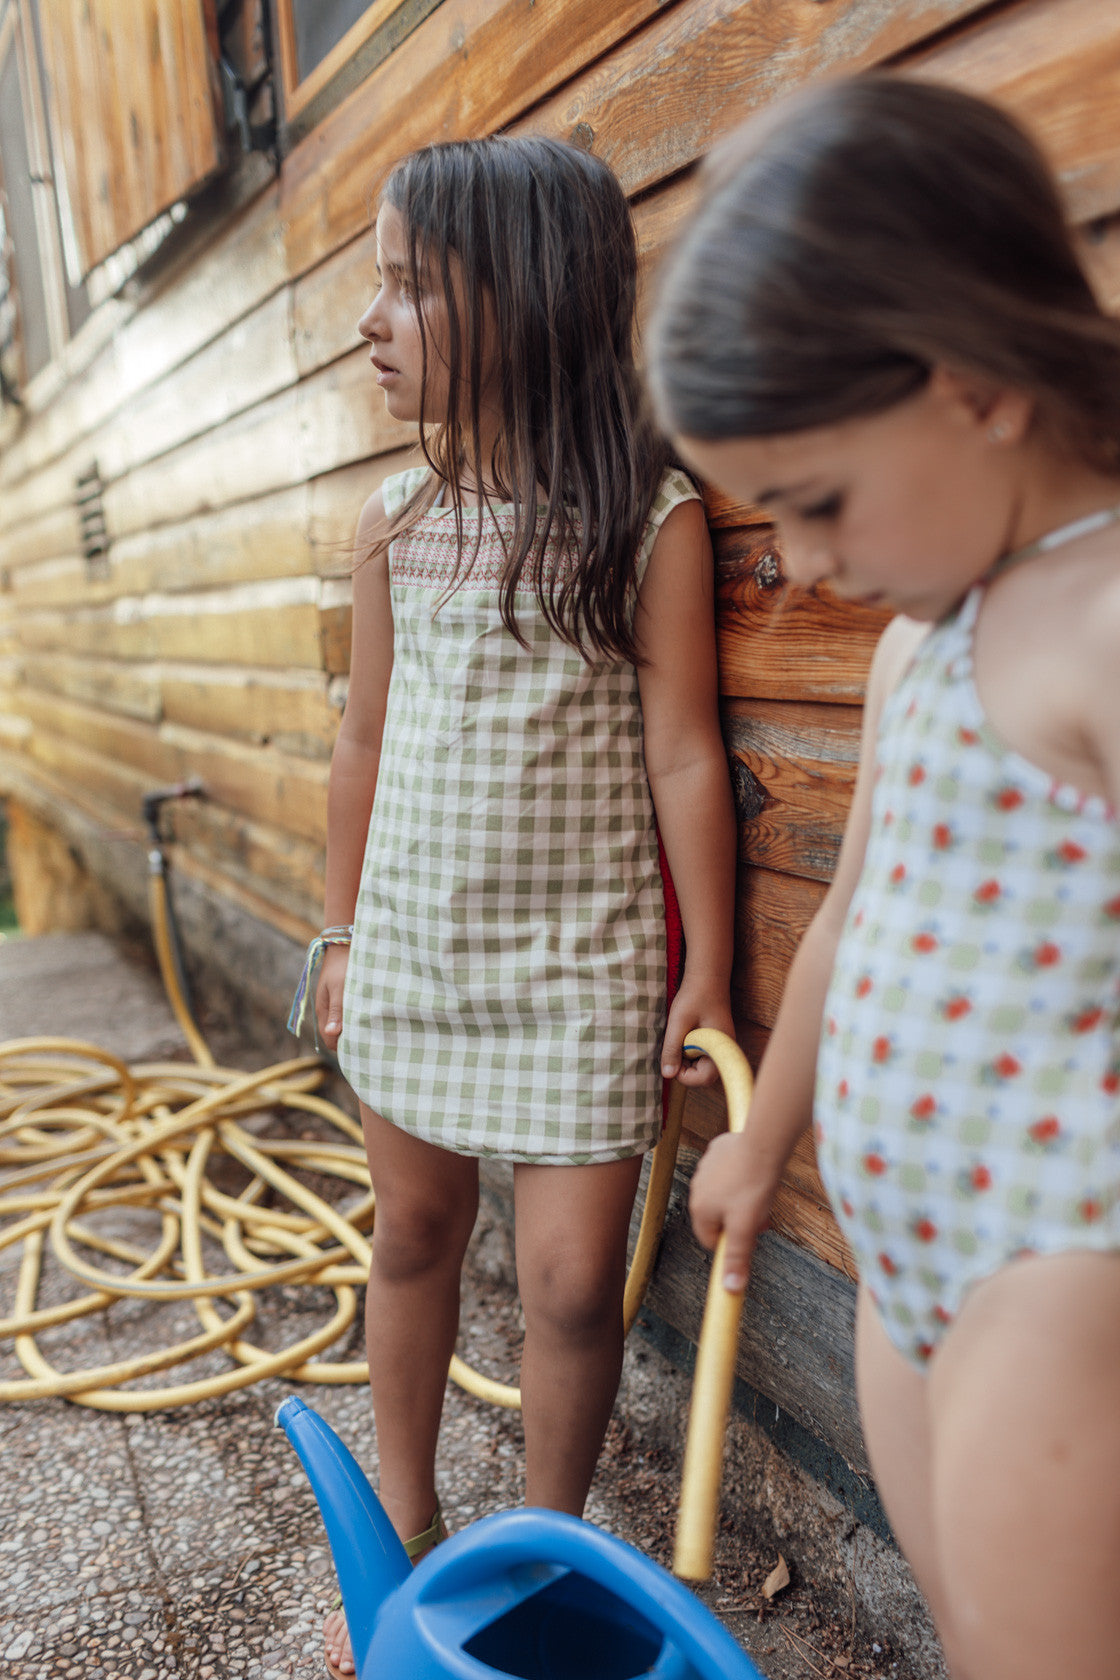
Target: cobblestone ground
[(185, 1544)]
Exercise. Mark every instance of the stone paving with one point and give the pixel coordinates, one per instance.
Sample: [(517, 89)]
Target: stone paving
[(185, 1544)]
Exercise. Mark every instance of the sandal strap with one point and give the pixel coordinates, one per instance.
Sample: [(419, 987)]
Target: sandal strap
[(430, 1536)]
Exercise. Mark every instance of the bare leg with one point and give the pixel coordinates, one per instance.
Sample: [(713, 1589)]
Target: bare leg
[(571, 1227), (1000, 1471), (1025, 1408), (427, 1199)]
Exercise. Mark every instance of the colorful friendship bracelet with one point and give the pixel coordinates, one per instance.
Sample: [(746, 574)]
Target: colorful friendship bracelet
[(341, 935)]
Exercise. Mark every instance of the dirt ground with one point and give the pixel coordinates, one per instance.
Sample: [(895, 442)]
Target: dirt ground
[(185, 1544)]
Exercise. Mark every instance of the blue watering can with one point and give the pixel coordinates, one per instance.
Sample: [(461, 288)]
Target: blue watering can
[(533, 1594)]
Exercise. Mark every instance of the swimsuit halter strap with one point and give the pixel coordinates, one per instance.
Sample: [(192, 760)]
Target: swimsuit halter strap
[(1062, 534)]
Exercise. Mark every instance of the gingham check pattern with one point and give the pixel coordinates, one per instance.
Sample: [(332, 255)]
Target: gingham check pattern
[(506, 986)]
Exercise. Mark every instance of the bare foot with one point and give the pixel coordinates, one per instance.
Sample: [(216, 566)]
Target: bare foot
[(336, 1639), (340, 1658)]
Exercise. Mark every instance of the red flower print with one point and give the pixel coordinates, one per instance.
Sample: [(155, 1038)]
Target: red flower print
[(1047, 955), (924, 942), (925, 1230), (987, 892), (830, 1026), (875, 1165), (898, 873), (942, 837), (1090, 1210), (1006, 1066), (917, 775), (925, 1108), (912, 709), (967, 737), (849, 1210), (858, 919), (888, 818), (1008, 798), (1087, 1020), (881, 1049), (889, 1266), (1112, 908), (956, 1007), (942, 1314), (925, 1350), (863, 985), (980, 1178), (1070, 852), (1111, 1081), (842, 1089), (1046, 1129)]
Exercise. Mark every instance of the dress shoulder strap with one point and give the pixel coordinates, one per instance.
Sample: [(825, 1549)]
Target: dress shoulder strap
[(398, 487), (675, 487)]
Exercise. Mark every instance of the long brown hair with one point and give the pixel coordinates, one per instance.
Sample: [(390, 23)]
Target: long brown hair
[(861, 233), (546, 251)]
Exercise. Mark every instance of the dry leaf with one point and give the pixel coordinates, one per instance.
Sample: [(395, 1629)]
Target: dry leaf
[(841, 1662), (777, 1578)]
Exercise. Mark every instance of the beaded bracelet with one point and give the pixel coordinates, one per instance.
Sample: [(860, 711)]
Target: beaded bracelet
[(341, 935)]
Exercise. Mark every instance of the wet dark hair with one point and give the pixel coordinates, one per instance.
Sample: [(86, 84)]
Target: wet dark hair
[(859, 234), (547, 256)]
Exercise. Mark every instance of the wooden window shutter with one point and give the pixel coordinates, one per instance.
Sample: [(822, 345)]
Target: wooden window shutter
[(135, 111)]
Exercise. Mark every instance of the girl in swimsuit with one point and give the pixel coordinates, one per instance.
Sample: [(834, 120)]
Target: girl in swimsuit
[(878, 328)]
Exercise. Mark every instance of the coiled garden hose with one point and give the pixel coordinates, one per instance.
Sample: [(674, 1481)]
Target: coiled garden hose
[(81, 1132)]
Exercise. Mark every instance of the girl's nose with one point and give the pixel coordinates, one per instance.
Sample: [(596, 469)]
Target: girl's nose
[(369, 323), (808, 563)]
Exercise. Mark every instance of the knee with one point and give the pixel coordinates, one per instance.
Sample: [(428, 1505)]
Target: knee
[(571, 1296), (413, 1236)]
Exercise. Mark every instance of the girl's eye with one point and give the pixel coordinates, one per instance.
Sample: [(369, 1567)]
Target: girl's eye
[(826, 509)]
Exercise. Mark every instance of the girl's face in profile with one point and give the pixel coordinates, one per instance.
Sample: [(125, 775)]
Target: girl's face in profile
[(904, 509), (391, 325)]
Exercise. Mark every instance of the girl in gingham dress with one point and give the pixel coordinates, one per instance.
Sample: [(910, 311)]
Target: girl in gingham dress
[(532, 683), (878, 327)]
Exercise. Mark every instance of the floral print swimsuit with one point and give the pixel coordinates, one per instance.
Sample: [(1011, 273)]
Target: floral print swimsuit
[(968, 1083)]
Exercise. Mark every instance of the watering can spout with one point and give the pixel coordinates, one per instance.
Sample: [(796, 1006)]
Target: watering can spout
[(369, 1559)]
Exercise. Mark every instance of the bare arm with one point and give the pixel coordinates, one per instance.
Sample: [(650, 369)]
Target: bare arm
[(687, 768), (734, 1185), (356, 757)]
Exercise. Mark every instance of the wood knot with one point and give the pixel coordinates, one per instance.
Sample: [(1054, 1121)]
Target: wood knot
[(583, 136), (768, 570), (750, 795)]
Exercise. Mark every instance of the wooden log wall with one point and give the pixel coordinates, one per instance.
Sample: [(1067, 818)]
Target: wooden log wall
[(237, 431)]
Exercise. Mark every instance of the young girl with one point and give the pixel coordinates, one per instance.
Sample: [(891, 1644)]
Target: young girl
[(532, 678), (877, 328)]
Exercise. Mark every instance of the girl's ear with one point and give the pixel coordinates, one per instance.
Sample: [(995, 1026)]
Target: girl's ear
[(1002, 412)]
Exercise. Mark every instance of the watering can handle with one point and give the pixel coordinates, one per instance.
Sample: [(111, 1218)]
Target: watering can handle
[(697, 1646)]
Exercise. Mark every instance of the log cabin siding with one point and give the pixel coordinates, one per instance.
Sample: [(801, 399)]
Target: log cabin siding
[(237, 431)]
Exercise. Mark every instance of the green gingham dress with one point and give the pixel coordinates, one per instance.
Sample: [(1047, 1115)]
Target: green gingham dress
[(505, 993)]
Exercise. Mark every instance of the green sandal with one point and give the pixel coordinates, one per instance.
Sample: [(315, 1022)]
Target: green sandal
[(422, 1542)]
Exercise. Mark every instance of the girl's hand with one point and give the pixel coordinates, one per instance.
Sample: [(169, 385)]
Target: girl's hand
[(328, 994), (694, 1006), (728, 1195)]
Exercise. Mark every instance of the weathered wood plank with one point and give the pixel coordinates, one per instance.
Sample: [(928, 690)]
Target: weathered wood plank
[(772, 912), (133, 690), (327, 302), (796, 1340), (246, 542), (468, 69), (277, 624), (778, 642), (793, 769), (1056, 65), (640, 102), (289, 710), (334, 417)]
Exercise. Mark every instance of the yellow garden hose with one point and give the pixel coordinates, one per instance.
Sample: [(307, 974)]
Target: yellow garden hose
[(81, 1132), (715, 1354)]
